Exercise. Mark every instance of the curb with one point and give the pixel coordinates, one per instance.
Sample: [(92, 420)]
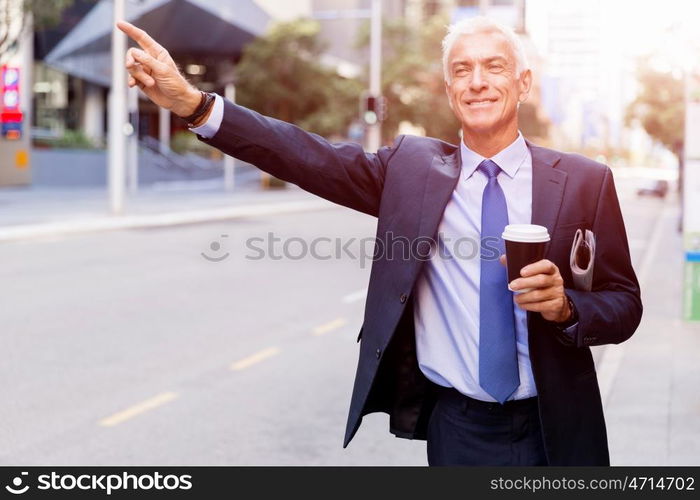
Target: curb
[(109, 223)]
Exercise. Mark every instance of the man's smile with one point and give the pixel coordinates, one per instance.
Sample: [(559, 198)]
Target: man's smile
[(480, 102)]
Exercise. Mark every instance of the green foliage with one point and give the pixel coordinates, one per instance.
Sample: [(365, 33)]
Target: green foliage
[(71, 139), (46, 13), (659, 106), (412, 78), (280, 75), (185, 141), (13, 20), (529, 123)]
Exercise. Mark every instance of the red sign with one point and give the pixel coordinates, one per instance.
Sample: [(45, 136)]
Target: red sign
[(10, 116)]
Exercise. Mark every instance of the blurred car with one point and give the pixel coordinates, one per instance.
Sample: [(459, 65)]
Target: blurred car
[(658, 188)]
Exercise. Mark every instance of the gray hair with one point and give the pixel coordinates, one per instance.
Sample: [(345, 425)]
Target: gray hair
[(481, 24)]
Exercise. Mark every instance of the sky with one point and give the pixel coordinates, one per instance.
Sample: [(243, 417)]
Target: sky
[(636, 26), (643, 24)]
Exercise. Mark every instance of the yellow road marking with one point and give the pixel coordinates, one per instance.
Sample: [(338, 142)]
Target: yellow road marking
[(138, 409), (330, 326), (255, 358)]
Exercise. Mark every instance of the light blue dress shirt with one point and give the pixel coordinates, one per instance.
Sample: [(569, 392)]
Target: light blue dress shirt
[(446, 300)]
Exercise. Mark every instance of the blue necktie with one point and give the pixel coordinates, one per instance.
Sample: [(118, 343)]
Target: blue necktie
[(498, 358)]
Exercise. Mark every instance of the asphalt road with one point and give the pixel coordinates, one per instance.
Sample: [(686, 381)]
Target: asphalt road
[(132, 347)]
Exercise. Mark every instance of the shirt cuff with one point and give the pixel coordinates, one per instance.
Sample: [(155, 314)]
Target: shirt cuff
[(209, 128)]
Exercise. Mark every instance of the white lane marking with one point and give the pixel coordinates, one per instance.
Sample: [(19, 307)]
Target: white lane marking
[(354, 296)]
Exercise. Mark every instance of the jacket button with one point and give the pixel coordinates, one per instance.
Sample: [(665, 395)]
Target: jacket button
[(403, 298), (379, 353)]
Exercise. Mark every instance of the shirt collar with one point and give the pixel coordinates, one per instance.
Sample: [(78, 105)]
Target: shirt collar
[(509, 159)]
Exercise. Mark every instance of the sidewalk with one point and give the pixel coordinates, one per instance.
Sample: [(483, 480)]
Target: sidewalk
[(653, 402), (38, 212)]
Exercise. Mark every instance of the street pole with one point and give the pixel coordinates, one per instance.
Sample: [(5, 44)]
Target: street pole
[(133, 148), (164, 130), (374, 132), (117, 115), (229, 161)]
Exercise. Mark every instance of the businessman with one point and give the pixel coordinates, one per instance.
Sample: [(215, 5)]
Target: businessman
[(486, 375)]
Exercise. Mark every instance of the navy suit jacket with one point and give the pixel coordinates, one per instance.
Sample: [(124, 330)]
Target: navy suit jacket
[(407, 186)]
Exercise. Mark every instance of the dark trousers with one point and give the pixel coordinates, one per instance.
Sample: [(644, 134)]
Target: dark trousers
[(464, 431)]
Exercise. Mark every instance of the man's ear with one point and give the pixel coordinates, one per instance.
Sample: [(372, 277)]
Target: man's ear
[(524, 84)]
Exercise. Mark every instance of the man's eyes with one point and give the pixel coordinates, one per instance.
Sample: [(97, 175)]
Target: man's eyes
[(492, 68)]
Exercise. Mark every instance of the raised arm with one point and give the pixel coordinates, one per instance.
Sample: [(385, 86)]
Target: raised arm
[(342, 173)]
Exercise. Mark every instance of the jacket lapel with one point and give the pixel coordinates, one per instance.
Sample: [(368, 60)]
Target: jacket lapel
[(439, 185), (547, 188)]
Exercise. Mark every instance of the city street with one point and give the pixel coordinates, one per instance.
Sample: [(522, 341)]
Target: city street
[(136, 347)]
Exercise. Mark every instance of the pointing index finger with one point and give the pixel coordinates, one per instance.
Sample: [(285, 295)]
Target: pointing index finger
[(141, 37)]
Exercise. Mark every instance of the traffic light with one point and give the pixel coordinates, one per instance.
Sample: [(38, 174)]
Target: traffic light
[(373, 109), (370, 112)]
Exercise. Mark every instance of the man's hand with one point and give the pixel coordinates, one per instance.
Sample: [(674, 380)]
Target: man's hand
[(156, 74), (547, 295)]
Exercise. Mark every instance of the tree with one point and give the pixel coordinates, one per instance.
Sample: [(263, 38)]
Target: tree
[(530, 123), (659, 106), (14, 16), (280, 75)]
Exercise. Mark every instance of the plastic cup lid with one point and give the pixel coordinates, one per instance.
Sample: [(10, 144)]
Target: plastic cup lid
[(525, 233)]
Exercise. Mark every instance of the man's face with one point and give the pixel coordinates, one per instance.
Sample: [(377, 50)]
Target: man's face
[(483, 90)]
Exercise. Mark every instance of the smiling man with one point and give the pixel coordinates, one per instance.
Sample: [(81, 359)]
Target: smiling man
[(486, 376), (486, 80)]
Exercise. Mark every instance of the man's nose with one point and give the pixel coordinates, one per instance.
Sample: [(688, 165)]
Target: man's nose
[(478, 82)]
